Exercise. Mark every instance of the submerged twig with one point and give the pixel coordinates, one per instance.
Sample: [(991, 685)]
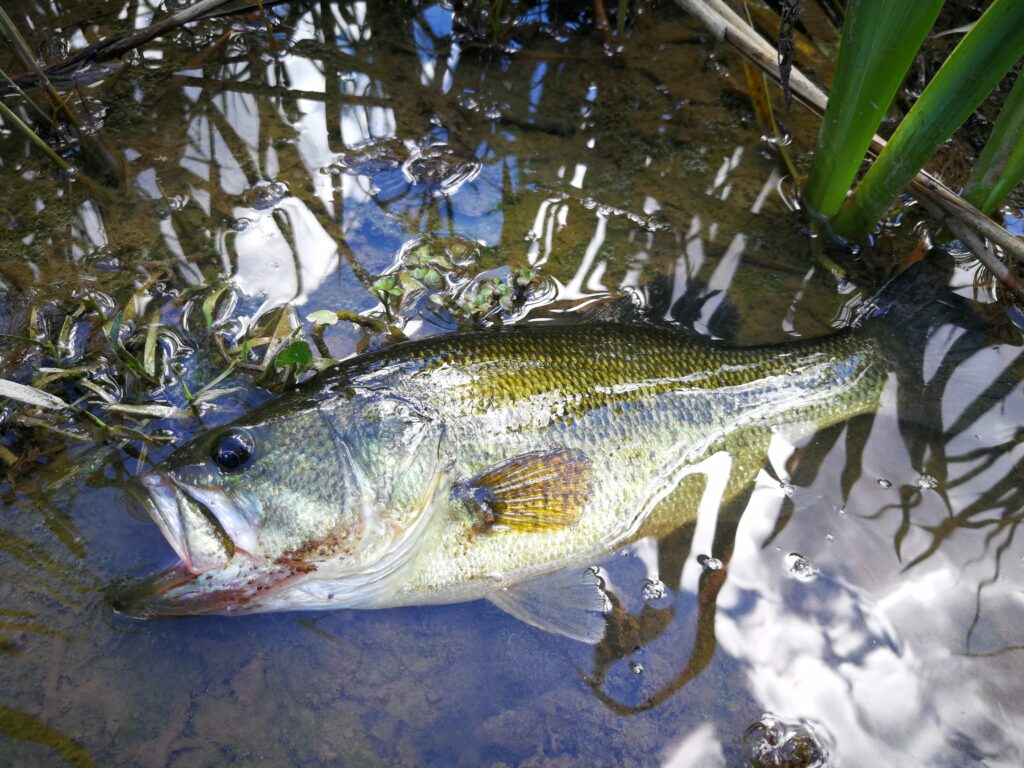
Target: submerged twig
[(27, 55), (984, 254), (119, 45)]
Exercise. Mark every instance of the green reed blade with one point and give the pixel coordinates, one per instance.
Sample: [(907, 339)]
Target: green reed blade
[(972, 70), (1000, 166), (34, 137), (879, 42), (30, 60), (14, 86)]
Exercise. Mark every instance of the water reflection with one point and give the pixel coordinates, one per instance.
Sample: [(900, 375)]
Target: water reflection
[(306, 163)]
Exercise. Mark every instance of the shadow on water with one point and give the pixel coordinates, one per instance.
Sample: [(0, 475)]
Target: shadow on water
[(859, 599)]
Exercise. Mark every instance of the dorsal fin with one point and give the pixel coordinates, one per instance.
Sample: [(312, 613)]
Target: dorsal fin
[(530, 492)]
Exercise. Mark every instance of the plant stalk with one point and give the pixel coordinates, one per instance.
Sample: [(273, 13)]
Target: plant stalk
[(1000, 166), (972, 70), (725, 24)]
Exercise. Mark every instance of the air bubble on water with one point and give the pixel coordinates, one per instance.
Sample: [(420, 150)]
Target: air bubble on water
[(786, 487), (927, 483), (467, 102), (799, 567), (636, 667), (778, 141), (440, 167), (773, 742), (829, 537), (884, 484), (264, 195), (709, 563), (654, 589)]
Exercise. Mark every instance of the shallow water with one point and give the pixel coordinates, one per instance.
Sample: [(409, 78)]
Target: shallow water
[(860, 605)]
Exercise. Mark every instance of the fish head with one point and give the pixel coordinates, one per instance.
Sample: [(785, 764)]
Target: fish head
[(290, 504)]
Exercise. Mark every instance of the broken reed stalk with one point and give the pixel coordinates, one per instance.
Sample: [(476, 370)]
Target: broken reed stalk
[(121, 44), (727, 25), (28, 58)]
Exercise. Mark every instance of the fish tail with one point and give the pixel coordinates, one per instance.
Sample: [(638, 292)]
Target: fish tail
[(929, 334)]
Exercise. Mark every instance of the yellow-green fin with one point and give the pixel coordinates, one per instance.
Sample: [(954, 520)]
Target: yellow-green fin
[(530, 492)]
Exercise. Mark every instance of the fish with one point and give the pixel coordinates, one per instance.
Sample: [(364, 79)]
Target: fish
[(497, 465)]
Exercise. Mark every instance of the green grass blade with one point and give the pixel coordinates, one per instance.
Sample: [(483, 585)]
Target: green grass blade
[(18, 123), (879, 42), (29, 59), (1000, 165), (972, 70), (14, 86)]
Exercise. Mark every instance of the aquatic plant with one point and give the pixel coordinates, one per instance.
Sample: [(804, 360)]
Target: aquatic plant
[(879, 44), (868, 72)]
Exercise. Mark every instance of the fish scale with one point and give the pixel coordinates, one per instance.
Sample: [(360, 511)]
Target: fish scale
[(634, 401)]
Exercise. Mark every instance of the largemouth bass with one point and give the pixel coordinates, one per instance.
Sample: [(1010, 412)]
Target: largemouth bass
[(471, 465)]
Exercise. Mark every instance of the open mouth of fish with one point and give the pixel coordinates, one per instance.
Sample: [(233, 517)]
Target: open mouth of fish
[(206, 526), (212, 530)]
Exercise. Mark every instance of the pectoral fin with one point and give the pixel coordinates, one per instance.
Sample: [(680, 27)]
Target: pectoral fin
[(531, 492), (571, 604)]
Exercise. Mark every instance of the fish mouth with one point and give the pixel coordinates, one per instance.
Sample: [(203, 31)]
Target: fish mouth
[(205, 526), (213, 533), (239, 587)]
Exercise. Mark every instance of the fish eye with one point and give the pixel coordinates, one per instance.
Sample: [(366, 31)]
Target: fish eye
[(233, 451)]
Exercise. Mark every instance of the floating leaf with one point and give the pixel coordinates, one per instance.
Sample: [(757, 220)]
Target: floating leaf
[(323, 363), (209, 395), (126, 357), (150, 409), (7, 456), (296, 353), (323, 317), (387, 285), (103, 394), (47, 375)]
